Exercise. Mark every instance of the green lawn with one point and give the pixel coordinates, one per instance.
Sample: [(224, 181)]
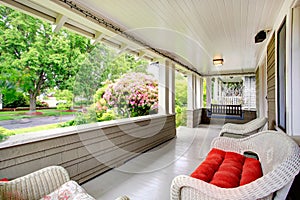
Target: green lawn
[(10, 115), (35, 128), (4, 133)]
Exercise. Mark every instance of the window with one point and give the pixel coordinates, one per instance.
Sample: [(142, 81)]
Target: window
[(281, 77)]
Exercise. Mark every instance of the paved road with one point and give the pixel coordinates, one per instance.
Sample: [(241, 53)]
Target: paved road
[(30, 122)]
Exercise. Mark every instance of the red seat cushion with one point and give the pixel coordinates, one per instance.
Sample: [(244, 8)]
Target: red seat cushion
[(208, 168), (251, 171), (227, 169)]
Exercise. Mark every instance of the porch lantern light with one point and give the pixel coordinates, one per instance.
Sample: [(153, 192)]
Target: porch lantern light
[(218, 61)]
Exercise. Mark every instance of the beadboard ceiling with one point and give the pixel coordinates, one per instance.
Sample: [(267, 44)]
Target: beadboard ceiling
[(196, 31), (192, 32)]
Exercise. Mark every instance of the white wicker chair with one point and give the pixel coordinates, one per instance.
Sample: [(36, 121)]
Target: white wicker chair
[(38, 184), (280, 159), (243, 130)]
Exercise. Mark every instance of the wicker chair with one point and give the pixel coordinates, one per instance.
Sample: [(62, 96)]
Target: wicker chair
[(39, 184), (243, 130), (280, 159)]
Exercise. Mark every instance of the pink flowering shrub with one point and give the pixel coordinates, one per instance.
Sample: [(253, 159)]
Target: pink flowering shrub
[(134, 94)]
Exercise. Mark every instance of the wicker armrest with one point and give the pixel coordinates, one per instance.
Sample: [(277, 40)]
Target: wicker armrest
[(262, 188), (192, 188), (227, 144), (35, 185)]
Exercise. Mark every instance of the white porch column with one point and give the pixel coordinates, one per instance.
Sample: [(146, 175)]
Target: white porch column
[(220, 92), (201, 92), (163, 88), (216, 88), (208, 92), (172, 88), (194, 101), (198, 92), (191, 94)]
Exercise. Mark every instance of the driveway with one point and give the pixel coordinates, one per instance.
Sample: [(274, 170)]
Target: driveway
[(37, 121)]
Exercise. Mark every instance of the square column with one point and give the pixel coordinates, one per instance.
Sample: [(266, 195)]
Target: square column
[(198, 92), (201, 92), (163, 88), (172, 88), (208, 92), (194, 100), (191, 92)]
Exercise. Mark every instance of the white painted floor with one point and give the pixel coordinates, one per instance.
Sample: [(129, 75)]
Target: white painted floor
[(149, 176)]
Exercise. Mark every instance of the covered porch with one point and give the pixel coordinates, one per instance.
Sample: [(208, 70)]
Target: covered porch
[(149, 175), (139, 157)]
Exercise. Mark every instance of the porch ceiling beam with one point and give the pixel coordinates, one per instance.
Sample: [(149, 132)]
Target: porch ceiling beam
[(60, 21), (123, 48), (141, 55), (98, 37)]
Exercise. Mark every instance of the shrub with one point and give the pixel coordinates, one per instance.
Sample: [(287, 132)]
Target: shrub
[(134, 94), (64, 95), (64, 106), (42, 104), (181, 117), (109, 115), (14, 99), (4, 133)]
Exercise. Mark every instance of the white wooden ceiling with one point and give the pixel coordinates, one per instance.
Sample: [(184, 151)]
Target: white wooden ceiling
[(197, 30), (191, 31)]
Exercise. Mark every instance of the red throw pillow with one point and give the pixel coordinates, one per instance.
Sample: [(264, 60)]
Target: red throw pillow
[(4, 180)]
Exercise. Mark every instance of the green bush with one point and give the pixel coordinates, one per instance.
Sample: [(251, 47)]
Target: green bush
[(109, 115), (4, 133), (14, 99), (64, 95), (64, 106), (181, 117), (83, 102), (41, 104), (134, 94)]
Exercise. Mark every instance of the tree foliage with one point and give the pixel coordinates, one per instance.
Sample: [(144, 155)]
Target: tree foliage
[(101, 65), (181, 88), (35, 57)]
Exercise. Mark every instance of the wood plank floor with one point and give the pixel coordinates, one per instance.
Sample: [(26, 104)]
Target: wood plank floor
[(149, 175)]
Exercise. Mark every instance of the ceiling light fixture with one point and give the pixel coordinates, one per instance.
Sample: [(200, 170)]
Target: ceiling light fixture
[(218, 61)]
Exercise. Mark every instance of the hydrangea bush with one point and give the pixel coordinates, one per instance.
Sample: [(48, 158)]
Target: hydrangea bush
[(134, 94)]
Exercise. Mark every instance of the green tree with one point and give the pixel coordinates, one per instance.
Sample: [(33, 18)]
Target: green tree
[(65, 95), (180, 90), (38, 58), (101, 65), (180, 99)]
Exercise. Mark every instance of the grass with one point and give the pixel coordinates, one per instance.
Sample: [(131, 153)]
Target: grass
[(11, 115), (36, 128)]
